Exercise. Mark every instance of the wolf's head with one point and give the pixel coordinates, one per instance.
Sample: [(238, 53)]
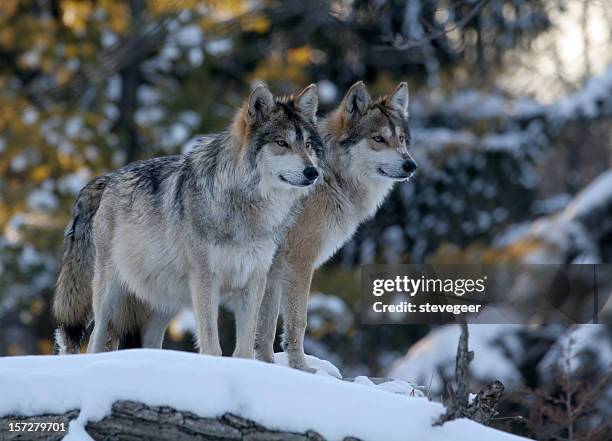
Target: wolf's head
[(279, 136), (373, 136)]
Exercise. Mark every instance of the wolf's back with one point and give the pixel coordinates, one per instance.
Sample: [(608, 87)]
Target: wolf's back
[(72, 299)]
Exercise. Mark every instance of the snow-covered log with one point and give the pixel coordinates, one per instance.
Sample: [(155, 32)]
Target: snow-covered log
[(180, 396)]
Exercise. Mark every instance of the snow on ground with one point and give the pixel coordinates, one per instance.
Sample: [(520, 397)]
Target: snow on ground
[(437, 351), (396, 386), (274, 396), (326, 368)]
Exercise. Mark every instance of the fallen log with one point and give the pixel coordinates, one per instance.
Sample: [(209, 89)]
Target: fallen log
[(131, 421)]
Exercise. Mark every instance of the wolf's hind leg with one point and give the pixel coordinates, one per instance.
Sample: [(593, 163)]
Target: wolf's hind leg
[(154, 330), (205, 299), (247, 312), (268, 319), (112, 343), (107, 292)]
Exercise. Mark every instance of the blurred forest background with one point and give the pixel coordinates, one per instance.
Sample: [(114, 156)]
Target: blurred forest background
[(511, 107)]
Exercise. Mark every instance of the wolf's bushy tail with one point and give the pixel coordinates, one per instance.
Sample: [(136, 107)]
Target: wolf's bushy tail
[(72, 299)]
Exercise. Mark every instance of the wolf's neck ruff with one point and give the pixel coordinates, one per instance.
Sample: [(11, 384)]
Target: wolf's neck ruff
[(218, 164)]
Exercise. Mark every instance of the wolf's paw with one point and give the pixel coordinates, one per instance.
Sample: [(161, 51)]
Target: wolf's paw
[(304, 368), (266, 357), (307, 363)]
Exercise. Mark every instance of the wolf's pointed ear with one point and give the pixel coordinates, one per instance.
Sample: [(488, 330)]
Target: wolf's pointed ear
[(308, 101), (399, 99), (260, 104), (356, 100)]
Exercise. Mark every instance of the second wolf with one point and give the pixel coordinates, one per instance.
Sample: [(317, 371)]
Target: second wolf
[(365, 153), (189, 230)]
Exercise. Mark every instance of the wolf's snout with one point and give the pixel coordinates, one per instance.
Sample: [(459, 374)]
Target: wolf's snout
[(311, 173), (409, 166)]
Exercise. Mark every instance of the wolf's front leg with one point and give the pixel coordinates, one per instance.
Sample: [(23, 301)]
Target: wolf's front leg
[(246, 313), (295, 309), (205, 292)]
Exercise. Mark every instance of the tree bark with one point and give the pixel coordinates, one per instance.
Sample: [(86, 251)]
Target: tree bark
[(131, 421)]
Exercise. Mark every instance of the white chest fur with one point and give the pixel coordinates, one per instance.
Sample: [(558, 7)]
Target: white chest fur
[(361, 202)]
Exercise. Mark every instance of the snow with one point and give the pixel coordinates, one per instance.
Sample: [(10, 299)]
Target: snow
[(507, 141), (219, 47), (335, 305), (326, 312), (189, 36), (590, 101), (596, 194), (551, 204), (327, 91), (438, 136), (323, 367), (274, 396), (183, 323), (74, 126), (148, 95), (42, 200), (587, 100), (72, 183), (108, 38), (29, 257), (30, 116), (396, 386), (113, 90), (196, 56), (576, 342), (176, 135), (437, 351), (19, 163)]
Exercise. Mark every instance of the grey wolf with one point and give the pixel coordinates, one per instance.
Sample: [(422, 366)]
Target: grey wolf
[(167, 233), (365, 154)]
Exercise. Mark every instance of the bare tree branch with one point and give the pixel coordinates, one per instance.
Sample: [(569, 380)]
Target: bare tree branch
[(400, 43), (482, 408)]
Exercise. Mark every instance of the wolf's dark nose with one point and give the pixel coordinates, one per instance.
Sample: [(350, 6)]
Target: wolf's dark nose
[(409, 166), (311, 173)]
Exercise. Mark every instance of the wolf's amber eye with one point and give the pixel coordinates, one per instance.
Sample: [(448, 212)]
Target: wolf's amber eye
[(308, 143), (282, 143), (378, 139), (401, 139)]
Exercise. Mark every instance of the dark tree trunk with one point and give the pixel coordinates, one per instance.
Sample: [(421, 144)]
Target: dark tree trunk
[(131, 79)]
